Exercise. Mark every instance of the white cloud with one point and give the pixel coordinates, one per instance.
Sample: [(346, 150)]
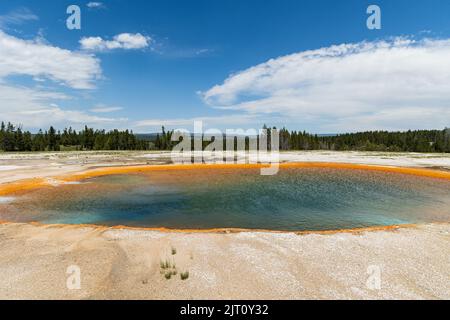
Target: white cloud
[(95, 5), (120, 41), (105, 109), (35, 108), (17, 17), (397, 84), (41, 60)]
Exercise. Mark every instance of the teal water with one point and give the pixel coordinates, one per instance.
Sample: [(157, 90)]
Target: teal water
[(295, 199)]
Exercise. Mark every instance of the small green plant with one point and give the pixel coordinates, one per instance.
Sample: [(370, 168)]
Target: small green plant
[(184, 275), (165, 264), (168, 269), (174, 251)]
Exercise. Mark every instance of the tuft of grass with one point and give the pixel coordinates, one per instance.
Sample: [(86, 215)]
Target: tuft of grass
[(169, 269), (165, 264), (184, 275), (174, 251)]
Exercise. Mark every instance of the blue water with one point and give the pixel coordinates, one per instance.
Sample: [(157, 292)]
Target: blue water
[(295, 199)]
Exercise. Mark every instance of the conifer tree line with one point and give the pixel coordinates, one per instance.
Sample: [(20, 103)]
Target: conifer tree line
[(13, 138), (406, 141)]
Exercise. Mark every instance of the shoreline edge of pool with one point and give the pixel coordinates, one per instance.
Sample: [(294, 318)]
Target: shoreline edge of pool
[(8, 189)]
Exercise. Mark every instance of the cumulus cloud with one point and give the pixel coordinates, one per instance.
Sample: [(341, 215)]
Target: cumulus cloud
[(121, 41), (95, 5), (396, 84), (40, 60), (35, 106), (18, 16)]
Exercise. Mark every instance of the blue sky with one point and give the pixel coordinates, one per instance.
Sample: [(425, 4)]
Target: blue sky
[(231, 64)]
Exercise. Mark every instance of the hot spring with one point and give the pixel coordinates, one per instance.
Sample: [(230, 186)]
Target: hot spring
[(296, 199)]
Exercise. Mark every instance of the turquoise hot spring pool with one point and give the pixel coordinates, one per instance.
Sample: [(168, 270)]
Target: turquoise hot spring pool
[(296, 199)]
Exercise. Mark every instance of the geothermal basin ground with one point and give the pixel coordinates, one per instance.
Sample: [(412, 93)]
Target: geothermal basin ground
[(407, 261)]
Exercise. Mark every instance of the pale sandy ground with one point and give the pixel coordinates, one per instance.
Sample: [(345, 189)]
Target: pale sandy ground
[(125, 264)]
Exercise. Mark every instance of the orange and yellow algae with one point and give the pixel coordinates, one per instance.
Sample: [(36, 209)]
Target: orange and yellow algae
[(135, 169), (29, 184), (101, 228), (22, 185)]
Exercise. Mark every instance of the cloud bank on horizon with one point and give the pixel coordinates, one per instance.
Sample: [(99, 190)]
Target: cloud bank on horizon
[(393, 84)]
